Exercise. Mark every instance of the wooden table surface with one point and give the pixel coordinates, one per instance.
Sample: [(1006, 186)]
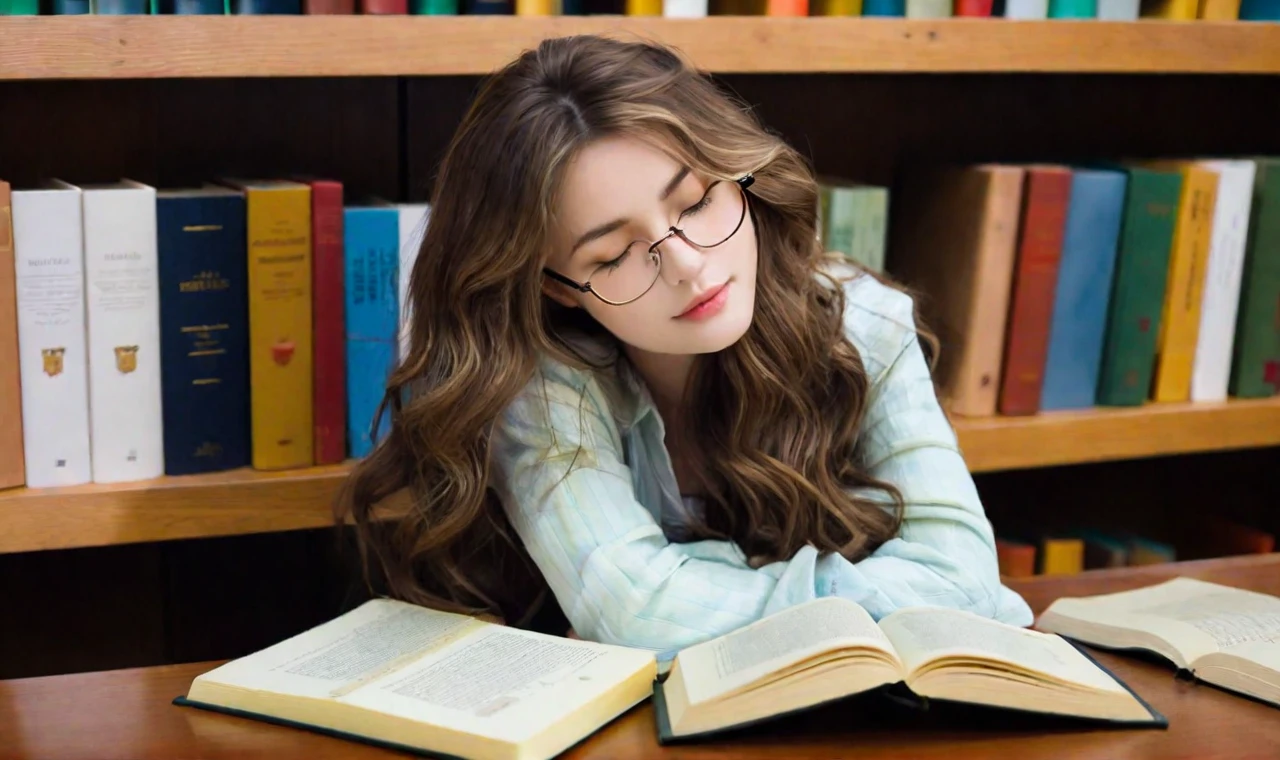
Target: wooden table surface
[(127, 713)]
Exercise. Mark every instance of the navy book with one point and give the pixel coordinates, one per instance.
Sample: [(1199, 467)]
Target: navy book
[(204, 329), (371, 237)]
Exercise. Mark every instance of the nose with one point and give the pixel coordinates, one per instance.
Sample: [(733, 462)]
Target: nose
[(681, 262)]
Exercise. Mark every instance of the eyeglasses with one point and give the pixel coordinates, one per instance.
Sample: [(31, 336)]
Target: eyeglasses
[(706, 224)]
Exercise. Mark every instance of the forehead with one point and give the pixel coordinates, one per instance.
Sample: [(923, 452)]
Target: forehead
[(615, 177)]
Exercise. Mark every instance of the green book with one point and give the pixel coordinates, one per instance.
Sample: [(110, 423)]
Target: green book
[(853, 220), (1137, 295), (1073, 9), (434, 7), (19, 7), (1255, 363)]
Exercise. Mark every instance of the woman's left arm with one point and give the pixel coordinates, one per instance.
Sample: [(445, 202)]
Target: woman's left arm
[(945, 553)]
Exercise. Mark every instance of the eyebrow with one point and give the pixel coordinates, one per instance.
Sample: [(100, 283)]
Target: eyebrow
[(596, 233)]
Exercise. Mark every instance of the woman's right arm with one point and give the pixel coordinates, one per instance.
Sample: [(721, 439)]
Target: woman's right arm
[(606, 559)]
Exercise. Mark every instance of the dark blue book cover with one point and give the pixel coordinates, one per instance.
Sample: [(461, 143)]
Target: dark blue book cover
[(198, 7), (371, 237), (70, 7), (884, 7), (121, 7), (204, 329), (1078, 327), (1259, 10), (267, 7)]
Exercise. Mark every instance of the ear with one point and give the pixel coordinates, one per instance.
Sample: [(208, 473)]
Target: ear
[(560, 293)]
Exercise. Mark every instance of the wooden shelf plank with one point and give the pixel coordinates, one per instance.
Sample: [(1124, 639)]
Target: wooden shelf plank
[(95, 47), (1099, 435), (246, 501)]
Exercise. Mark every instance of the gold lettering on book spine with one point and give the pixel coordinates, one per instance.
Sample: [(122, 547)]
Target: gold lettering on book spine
[(52, 360), (126, 359)]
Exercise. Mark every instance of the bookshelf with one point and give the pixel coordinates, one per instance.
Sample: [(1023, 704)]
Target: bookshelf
[(123, 47), (246, 501)]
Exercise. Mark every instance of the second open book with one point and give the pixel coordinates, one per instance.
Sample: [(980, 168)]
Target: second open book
[(831, 648)]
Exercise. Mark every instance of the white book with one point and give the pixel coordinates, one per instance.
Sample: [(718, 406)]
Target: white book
[(1223, 273), (413, 225), (1118, 10), (126, 425), (928, 9), (684, 8), (1026, 9), (49, 271)]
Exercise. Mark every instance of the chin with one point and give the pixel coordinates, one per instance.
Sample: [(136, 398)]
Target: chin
[(717, 334)]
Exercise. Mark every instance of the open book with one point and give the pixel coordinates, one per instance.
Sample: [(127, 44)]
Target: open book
[(831, 648), (433, 683), (1221, 635)]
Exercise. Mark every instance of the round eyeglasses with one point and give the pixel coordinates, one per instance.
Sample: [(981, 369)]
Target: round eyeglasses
[(706, 224)]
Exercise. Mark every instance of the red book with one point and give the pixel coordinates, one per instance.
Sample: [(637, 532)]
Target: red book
[(1035, 280), (973, 8), (329, 350), (328, 7), (385, 7)]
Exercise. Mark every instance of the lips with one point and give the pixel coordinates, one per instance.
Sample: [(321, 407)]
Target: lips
[(702, 300)]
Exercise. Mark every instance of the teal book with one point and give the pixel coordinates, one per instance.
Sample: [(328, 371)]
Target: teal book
[(1259, 10), (371, 242), (434, 7), (884, 8), (1079, 322), (831, 649), (1073, 9), (1137, 292), (70, 7), (19, 7), (1255, 365)]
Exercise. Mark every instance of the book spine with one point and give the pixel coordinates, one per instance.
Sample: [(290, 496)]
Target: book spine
[(413, 221), (384, 7), (1180, 318), (329, 7), (974, 8), (204, 329), (1255, 370), (1211, 371), (1072, 9), (1137, 295), (891, 8), (280, 332), (1048, 190), (684, 8), (49, 271), (1029, 10), (372, 317), (125, 421), (1084, 288), (12, 466), (1118, 10), (928, 9), (199, 7), (329, 336)]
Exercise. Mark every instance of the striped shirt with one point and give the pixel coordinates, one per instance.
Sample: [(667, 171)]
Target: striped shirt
[(585, 478)]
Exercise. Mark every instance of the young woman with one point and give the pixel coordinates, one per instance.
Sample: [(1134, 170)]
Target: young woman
[(635, 380)]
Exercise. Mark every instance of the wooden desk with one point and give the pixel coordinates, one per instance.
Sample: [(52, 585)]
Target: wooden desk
[(126, 714)]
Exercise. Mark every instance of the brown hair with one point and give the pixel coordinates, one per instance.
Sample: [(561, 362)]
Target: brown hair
[(777, 414)]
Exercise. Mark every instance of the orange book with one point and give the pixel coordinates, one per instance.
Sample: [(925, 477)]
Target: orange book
[(1016, 559), (12, 464), (786, 8), (1180, 318), (1219, 10)]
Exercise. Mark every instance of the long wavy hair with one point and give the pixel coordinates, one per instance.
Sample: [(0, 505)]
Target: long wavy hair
[(774, 418)]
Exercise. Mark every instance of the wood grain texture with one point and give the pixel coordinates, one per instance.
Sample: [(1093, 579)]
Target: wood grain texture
[(1099, 435), (128, 712), (238, 46), (246, 501)]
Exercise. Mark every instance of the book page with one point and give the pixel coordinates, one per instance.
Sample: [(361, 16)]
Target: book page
[(336, 657), (924, 636), (772, 643), (503, 682), (1196, 617)]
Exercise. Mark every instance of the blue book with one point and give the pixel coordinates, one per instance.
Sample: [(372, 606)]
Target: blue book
[(121, 7), (267, 7), (70, 7), (1259, 10), (371, 238), (884, 7), (204, 329), (1077, 329)]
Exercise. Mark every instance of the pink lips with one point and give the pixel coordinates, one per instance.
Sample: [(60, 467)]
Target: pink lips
[(708, 305)]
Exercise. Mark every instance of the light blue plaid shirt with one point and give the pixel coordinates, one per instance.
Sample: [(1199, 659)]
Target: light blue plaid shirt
[(596, 530)]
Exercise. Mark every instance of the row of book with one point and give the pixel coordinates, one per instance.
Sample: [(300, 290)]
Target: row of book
[(1107, 10), (853, 219), (1071, 552), (1070, 286), (147, 331)]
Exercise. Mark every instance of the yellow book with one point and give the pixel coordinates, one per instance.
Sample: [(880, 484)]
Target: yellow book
[(1180, 318), (1170, 10), (1061, 556), (1219, 10), (836, 8), (537, 7), (279, 231), (644, 7)]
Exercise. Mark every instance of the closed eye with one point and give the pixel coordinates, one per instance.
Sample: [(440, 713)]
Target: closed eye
[(699, 206)]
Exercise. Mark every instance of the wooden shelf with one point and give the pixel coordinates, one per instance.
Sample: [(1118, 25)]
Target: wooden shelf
[(117, 47), (246, 501), (1100, 435)]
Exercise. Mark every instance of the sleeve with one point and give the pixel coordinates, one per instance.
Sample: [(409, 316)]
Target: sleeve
[(603, 554), (945, 553)]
